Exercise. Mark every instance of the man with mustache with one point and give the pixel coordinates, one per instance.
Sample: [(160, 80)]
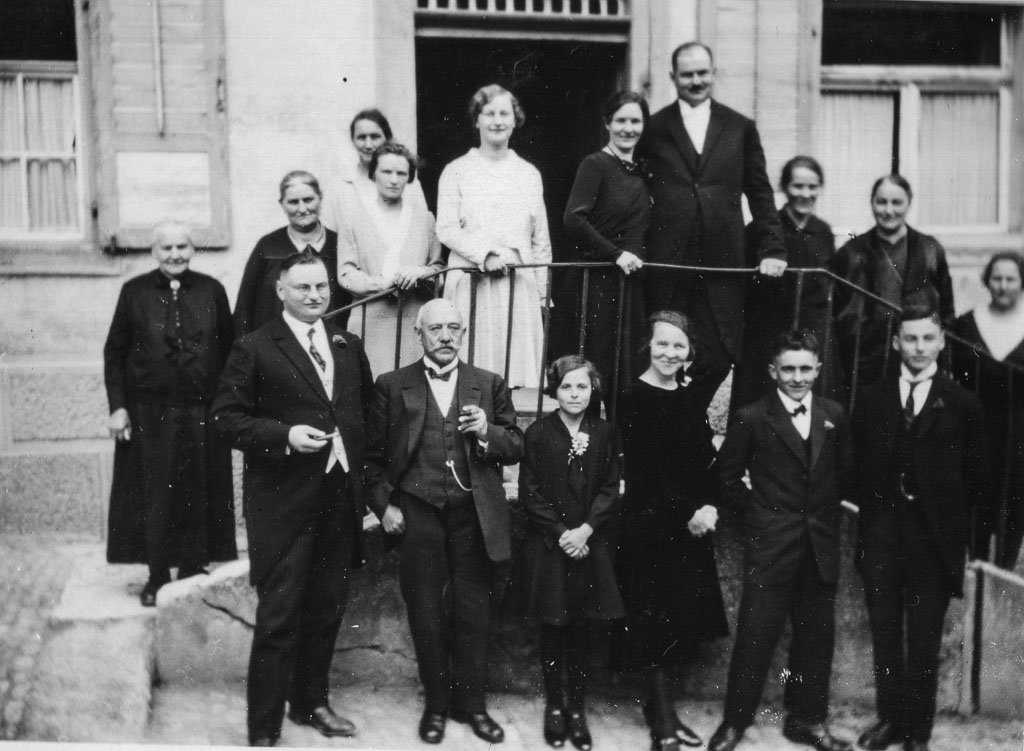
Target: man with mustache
[(702, 157)]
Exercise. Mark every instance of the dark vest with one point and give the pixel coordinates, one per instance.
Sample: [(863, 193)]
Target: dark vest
[(428, 477), (902, 479)]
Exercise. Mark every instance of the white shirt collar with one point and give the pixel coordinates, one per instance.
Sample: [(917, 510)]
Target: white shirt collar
[(687, 110), (427, 362), (924, 375), (301, 328), (790, 404)]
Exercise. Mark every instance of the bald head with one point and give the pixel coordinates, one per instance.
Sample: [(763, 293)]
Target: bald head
[(439, 328)]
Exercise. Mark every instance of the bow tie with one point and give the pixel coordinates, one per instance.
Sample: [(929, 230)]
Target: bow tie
[(438, 376), (799, 410)]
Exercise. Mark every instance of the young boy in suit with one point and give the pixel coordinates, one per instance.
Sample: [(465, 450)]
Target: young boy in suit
[(921, 464), (797, 450)]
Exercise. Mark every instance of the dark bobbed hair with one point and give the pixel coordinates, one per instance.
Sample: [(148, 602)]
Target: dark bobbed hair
[(919, 305), (566, 364), (393, 147), (620, 99), (303, 178), (807, 162), (691, 46), (795, 340), (485, 94), (1002, 255), (299, 258), (374, 115), (673, 318), (894, 179)]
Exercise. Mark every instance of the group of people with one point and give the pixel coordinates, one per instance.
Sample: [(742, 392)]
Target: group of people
[(289, 381)]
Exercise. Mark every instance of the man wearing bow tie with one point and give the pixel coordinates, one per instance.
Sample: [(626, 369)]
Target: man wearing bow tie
[(921, 466), (797, 449), (440, 431), (294, 397)]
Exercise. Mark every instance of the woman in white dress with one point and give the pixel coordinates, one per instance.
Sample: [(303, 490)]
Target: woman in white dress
[(490, 214), (390, 245)]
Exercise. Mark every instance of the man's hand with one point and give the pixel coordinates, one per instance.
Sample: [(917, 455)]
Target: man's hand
[(629, 262), (473, 420), (703, 521), (393, 521), (120, 426), (574, 541), (306, 439), (407, 277), (772, 267)]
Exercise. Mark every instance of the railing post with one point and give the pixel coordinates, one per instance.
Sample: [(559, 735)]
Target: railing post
[(473, 281), (398, 329), (583, 308), (508, 326), (826, 346), (616, 370), (798, 299), (887, 349), (1004, 482), (546, 320)]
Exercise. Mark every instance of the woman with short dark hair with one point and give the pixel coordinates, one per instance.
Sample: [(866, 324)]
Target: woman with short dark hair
[(607, 215)]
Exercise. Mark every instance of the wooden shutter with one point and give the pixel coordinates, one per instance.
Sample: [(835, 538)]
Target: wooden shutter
[(160, 118)]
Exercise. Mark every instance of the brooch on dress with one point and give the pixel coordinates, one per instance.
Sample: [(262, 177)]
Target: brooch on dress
[(580, 441)]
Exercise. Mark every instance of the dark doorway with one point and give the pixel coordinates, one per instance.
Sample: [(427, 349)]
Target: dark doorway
[(561, 86)]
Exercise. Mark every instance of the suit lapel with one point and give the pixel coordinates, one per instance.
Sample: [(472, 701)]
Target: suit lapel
[(285, 339), (817, 430), (782, 423), (414, 395), (682, 138), (468, 393), (933, 405), (338, 346), (716, 123)]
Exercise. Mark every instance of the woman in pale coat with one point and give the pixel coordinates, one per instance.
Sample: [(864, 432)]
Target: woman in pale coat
[(490, 214), (389, 246)]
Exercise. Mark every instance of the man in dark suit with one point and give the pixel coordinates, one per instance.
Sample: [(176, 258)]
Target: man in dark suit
[(798, 452), (702, 157), (921, 465), (440, 432), (294, 397)]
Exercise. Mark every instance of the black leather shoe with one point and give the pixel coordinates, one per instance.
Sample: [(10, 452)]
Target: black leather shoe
[(880, 735), (148, 594), (324, 721), (579, 733), (685, 736), (432, 726), (726, 738), (483, 725), (263, 741), (555, 731), (915, 746), (814, 734)]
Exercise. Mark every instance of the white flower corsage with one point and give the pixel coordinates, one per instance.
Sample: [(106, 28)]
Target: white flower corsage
[(829, 425), (580, 441)]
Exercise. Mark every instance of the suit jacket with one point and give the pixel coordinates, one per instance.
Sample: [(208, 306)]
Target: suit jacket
[(686, 187), (791, 496), (269, 384), (950, 462), (396, 427)]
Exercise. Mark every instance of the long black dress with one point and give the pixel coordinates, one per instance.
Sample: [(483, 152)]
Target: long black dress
[(991, 380), (258, 302), (668, 577), (171, 498), (769, 311), (608, 212), (561, 493)]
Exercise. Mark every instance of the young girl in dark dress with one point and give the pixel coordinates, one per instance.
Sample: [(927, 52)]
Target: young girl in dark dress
[(569, 486), (666, 561)]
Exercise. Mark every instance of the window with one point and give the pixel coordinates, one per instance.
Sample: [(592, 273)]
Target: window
[(41, 189), (922, 89)]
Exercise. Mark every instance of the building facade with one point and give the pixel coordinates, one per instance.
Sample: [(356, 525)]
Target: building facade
[(117, 113)]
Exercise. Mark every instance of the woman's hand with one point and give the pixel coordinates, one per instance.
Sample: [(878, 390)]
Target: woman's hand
[(120, 426), (495, 264), (703, 521), (573, 542), (772, 267), (629, 262), (407, 277)]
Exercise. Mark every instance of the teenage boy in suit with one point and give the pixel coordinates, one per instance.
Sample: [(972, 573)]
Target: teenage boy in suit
[(921, 465), (798, 451)]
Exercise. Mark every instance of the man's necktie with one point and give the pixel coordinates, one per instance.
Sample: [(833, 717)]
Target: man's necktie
[(315, 354), (438, 376), (799, 410), (908, 408)]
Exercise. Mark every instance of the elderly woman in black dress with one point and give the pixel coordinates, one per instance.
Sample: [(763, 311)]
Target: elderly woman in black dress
[(607, 215), (569, 487), (300, 199), (772, 301), (666, 563), (991, 364), (893, 261)]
